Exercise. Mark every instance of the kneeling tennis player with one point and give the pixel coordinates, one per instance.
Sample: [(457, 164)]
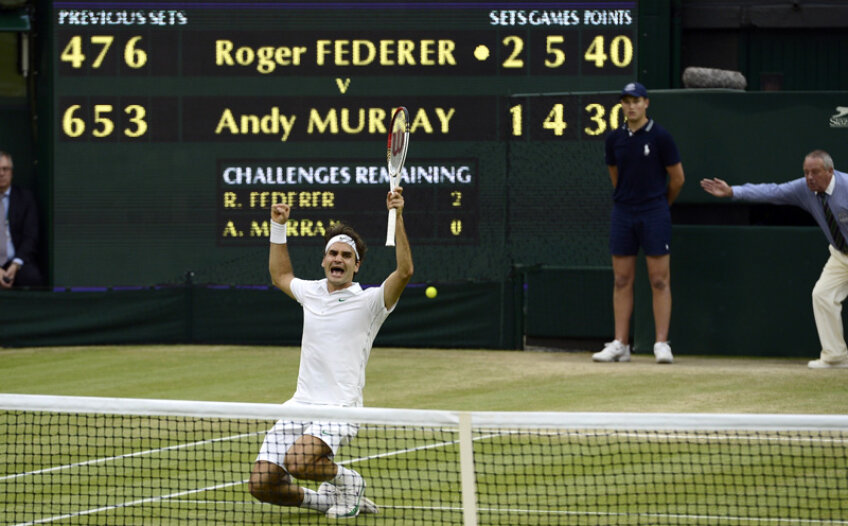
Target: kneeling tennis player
[(340, 322)]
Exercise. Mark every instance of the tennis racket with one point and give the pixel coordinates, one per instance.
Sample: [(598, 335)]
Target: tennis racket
[(396, 156)]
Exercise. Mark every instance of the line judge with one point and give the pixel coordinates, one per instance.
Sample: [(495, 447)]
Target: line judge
[(823, 192)]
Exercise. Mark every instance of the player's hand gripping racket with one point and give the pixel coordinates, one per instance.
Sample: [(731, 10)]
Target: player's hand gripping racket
[(395, 156)]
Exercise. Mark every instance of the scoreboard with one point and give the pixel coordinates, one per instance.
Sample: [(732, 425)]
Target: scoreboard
[(177, 124)]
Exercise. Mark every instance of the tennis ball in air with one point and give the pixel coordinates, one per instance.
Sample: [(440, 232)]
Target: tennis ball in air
[(431, 292)]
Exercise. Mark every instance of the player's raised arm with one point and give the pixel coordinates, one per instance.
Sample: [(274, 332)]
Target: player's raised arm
[(398, 279), (279, 263)]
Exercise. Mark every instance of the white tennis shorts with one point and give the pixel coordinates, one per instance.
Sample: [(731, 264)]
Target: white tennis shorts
[(285, 433)]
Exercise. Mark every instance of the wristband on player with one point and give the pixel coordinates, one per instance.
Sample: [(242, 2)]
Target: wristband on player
[(278, 233)]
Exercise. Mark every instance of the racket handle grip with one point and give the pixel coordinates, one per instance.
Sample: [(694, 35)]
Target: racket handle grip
[(390, 228)]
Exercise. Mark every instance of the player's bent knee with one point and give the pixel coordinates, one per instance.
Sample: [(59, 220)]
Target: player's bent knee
[(268, 482), (303, 470), (295, 469), (277, 492), (297, 465), (260, 490), (307, 460)]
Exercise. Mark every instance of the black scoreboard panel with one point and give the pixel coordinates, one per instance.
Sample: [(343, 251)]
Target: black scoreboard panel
[(558, 182), (178, 124)]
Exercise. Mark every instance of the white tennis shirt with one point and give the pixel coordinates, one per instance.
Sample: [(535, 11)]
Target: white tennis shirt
[(338, 331)]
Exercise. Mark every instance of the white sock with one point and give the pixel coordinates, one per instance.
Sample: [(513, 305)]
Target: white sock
[(316, 501)]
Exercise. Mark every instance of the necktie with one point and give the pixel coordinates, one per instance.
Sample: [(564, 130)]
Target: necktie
[(4, 227), (838, 239)]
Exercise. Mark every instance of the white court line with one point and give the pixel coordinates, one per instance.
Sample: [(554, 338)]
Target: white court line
[(127, 455), (123, 505), (432, 508), (711, 518), (760, 437)]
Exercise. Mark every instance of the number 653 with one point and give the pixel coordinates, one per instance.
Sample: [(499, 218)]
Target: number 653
[(73, 125)]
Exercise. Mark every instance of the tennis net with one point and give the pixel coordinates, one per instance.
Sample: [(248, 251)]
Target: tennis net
[(80, 460)]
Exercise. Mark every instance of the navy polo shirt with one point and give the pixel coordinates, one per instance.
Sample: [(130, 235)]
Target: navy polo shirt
[(641, 158)]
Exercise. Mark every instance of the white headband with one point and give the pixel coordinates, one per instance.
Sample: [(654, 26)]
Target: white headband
[(342, 238)]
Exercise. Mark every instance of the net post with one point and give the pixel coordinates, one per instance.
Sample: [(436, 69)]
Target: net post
[(466, 468)]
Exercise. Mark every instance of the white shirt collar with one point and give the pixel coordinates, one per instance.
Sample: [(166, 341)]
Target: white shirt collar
[(355, 288), (647, 127), (831, 186)]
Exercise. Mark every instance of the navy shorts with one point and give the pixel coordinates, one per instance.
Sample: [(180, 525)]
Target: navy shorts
[(645, 227)]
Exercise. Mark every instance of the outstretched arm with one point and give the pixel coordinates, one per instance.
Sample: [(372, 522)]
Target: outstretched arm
[(717, 187), (279, 264), (397, 280)]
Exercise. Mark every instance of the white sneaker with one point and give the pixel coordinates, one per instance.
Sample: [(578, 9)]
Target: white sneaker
[(614, 351), (821, 364), (662, 352), (366, 505), (349, 498)]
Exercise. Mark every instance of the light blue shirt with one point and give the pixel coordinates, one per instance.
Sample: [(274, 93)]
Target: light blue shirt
[(10, 248), (796, 193)]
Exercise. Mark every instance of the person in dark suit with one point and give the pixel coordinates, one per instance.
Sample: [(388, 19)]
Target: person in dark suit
[(19, 232)]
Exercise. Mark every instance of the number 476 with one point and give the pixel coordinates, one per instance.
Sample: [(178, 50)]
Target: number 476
[(134, 56)]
